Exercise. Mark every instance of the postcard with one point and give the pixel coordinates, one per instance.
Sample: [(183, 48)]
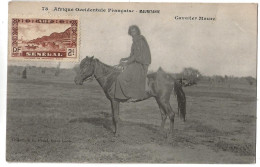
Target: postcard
[(143, 82)]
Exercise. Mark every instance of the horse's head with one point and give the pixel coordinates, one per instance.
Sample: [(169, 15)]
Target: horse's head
[(87, 68)]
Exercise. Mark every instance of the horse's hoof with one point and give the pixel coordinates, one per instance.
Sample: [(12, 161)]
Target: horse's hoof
[(163, 132), (116, 135), (169, 135), (165, 135)]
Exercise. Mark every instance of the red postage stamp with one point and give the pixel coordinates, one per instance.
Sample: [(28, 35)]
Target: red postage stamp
[(44, 39)]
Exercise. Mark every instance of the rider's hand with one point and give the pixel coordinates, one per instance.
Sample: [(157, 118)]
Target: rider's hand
[(123, 59), (122, 63)]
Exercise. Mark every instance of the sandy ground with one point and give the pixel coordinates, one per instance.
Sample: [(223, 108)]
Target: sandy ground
[(50, 119)]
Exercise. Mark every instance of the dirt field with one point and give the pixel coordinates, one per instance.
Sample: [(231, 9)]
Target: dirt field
[(50, 119)]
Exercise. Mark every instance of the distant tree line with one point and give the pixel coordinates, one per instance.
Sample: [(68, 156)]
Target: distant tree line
[(191, 76), (24, 70), (187, 77)]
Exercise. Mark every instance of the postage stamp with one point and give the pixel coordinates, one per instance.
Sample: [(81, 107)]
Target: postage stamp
[(44, 39)]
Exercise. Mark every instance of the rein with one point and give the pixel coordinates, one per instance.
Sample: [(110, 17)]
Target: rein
[(115, 67)]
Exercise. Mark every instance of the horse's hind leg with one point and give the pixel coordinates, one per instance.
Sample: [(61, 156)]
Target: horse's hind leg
[(171, 116), (164, 116), (179, 109), (165, 105), (115, 114)]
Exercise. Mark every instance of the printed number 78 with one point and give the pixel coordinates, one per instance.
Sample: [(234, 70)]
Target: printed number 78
[(44, 8)]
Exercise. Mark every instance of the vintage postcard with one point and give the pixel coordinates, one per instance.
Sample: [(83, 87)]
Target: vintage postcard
[(131, 82)]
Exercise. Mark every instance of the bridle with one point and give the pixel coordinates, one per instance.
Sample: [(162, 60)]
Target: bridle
[(115, 67)]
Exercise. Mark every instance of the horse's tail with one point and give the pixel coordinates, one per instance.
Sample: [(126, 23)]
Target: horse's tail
[(181, 98)]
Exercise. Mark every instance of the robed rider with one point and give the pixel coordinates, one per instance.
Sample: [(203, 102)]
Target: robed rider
[(130, 84)]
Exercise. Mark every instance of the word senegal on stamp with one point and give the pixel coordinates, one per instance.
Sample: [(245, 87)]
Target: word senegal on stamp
[(44, 39)]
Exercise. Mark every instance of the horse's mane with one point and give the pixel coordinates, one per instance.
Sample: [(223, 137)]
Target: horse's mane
[(103, 64), (106, 68), (97, 60)]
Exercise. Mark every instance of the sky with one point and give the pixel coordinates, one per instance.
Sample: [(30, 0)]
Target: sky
[(226, 46)]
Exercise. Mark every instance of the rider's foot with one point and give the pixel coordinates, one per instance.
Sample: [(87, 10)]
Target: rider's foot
[(149, 92)]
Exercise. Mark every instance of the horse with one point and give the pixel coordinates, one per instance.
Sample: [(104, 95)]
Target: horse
[(160, 85)]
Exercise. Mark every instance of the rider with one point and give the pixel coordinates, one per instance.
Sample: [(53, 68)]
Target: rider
[(130, 84)]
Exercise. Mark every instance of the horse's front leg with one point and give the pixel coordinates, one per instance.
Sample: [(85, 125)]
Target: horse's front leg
[(115, 114)]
